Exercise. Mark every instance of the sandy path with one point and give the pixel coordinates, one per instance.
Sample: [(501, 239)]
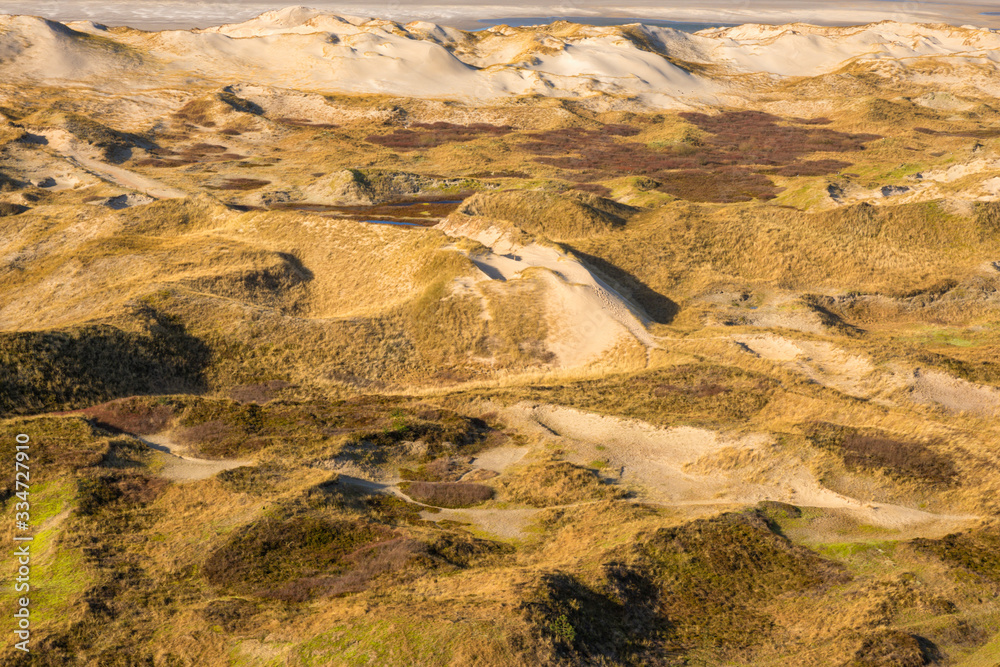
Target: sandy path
[(180, 467), (63, 143), (500, 458), (954, 394), (821, 362), (506, 523)]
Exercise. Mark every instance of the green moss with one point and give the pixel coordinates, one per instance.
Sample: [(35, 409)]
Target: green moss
[(848, 550)]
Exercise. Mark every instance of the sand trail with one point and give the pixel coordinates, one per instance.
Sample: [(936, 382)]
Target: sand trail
[(681, 467), (822, 362), (180, 467), (63, 143), (857, 376)]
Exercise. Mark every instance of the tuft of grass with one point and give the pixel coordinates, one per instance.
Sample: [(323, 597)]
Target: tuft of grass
[(973, 555), (431, 135), (558, 217), (550, 483), (68, 369), (714, 574), (685, 394)]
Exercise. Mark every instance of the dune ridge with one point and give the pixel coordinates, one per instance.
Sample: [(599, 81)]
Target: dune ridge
[(309, 49)]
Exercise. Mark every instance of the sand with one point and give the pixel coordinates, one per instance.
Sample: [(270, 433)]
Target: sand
[(588, 317), (178, 466), (692, 467), (62, 143), (822, 362), (315, 51)]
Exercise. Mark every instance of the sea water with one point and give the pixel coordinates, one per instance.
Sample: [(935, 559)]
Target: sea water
[(522, 21)]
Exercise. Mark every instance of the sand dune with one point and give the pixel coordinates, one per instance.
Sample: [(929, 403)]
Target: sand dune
[(308, 49), (590, 316)]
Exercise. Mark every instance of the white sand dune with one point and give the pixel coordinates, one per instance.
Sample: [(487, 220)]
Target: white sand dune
[(311, 50), (590, 316)]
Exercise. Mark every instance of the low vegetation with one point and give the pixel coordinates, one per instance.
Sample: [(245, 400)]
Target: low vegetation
[(413, 484), (448, 494), (872, 450)]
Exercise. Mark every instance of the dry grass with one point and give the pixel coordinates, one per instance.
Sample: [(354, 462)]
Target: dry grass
[(553, 482), (431, 135), (291, 316), (560, 218)]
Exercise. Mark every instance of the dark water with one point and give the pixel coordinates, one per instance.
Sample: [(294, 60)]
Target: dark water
[(683, 26), (422, 212), (436, 201), (392, 222)]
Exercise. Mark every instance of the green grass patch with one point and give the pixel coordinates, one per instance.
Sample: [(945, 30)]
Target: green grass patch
[(396, 641)]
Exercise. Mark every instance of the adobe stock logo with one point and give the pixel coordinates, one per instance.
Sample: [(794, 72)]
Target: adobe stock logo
[(906, 12)]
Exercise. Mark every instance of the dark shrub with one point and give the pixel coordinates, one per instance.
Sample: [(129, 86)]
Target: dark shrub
[(874, 450), (448, 494), (264, 555), (140, 415)]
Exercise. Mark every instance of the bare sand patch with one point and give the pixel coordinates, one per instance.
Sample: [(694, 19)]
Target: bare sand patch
[(507, 523), (822, 362), (588, 316), (500, 458), (857, 376), (954, 394), (63, 143), (176, 465), (691, 467)]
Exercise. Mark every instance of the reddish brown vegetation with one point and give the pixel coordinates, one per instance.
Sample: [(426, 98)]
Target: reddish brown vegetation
[(879, 451), (449, 494), (363, 566), (291, 558), (731, 165), (724, 184), (138, 415), (431, 135), (95, 494), (194, 154)]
